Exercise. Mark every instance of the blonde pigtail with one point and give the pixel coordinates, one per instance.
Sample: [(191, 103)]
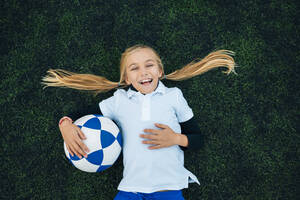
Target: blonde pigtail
[(220, 58), (63, 78)]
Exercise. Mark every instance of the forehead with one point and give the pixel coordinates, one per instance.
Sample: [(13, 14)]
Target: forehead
[(140, 56)]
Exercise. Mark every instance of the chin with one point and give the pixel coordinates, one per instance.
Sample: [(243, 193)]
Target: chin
[(148, 90)]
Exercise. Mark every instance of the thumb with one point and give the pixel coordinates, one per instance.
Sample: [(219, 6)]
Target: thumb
[(162, 126)]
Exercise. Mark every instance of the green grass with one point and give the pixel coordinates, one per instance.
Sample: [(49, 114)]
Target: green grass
[(250, 121)]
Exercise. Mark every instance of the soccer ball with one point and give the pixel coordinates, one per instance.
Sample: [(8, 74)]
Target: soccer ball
[(104, 140)]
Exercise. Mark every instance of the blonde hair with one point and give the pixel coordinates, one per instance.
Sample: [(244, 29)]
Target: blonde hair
[(97, 84)]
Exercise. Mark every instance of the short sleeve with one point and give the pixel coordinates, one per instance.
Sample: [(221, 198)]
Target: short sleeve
[(183, 111), (107, 107)]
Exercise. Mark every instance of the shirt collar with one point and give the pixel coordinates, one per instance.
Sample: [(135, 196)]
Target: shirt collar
[(161, 88)]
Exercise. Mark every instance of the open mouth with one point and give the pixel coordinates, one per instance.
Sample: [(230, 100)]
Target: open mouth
[(146, 81)]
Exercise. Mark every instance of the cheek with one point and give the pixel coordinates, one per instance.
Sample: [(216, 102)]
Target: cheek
[(129, 77), (126, 78)]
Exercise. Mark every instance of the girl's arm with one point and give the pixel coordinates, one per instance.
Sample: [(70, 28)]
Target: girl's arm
[(190, 137), (72, 134), (195, 138)]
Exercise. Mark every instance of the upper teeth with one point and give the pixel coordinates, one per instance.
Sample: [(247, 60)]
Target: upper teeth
[(143, 81)]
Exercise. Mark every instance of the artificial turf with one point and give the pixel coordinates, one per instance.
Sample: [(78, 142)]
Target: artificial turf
[(250, 120)]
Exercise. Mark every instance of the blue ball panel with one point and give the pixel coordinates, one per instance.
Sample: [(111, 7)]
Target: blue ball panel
[(106, 139), (93, 123), (96, 157), (103, 167), (74, 157), (119, 139)]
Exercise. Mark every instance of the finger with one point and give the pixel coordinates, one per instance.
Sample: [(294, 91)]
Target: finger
[(155, 147), (73, 148), (80, 133), (80, 150), (79, 153), (146, 136), (150, 142), (147, 130), (69, 150), (81, 144), (162, 126), (149, 136)]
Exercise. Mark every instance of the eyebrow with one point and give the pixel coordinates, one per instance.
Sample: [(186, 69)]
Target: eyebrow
[(145, 62)]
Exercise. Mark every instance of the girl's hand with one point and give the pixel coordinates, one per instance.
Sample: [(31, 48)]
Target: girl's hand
[(72, 136), (164, 137)]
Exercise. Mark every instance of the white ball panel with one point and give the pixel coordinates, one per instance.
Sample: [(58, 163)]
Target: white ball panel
[(92, 140), (109, 126), (111, 153), (85, 165)]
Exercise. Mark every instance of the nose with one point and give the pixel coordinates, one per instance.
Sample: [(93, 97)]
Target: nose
[(143, 71)]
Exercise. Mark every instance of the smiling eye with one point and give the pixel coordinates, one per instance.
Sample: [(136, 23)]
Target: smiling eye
[(149, 65)]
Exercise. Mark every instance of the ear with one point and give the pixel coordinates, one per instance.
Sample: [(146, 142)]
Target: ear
[(160, 73), (127, 80)]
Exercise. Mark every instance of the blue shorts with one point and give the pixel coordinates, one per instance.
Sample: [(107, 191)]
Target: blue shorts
[(167, 195)]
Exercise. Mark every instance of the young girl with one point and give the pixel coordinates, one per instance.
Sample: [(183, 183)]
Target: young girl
[(156, 122)]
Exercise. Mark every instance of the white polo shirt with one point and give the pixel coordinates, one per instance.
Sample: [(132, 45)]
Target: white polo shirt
[(148, 170)]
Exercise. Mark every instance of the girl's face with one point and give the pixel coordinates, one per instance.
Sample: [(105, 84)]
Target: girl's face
[(142, 70)]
